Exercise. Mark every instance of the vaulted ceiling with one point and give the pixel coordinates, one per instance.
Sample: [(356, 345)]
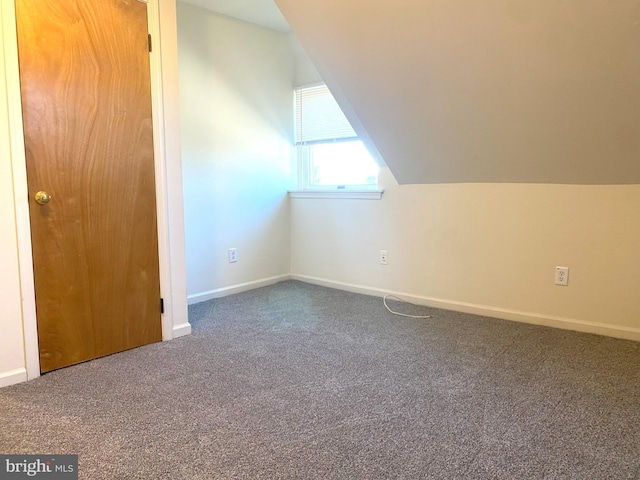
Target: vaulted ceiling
[(485, 91)]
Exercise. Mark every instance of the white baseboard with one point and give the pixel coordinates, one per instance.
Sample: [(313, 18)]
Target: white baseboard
[(181, 330), (627, 333), (241, 287), (13, 376)]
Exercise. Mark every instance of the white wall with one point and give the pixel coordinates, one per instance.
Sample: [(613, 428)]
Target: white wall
[(236, 96), (306, 72), (488, 248), (484, 248)]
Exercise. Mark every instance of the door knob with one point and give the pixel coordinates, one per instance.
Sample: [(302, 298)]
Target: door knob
[(43, 198)]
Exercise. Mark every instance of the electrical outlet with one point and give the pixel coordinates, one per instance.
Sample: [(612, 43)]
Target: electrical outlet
[(233, 255), (384, 258), (562, 276)]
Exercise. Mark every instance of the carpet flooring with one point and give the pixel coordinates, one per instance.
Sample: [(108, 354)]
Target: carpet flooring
[(296, 381)]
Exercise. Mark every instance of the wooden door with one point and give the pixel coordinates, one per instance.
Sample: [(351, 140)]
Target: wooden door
[(85, 84)]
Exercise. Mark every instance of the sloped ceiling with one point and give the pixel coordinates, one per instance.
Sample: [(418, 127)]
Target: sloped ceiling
[(540, 91), (259, 12)]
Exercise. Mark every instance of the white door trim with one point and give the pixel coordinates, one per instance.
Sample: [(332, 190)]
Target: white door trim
[(19, 167), (160, 159)]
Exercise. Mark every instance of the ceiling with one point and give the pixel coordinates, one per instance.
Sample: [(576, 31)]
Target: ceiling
[(260, 12), (488, 91)]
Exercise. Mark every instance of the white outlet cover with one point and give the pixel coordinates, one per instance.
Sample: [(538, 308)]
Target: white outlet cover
[(562, 276)]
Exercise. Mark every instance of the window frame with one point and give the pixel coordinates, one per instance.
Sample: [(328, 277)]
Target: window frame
[(305, 187), (305, 182)]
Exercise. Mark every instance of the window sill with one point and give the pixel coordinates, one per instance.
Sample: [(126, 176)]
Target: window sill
[(335, 194)]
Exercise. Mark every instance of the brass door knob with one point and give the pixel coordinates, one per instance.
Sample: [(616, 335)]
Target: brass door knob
[(43, 198)]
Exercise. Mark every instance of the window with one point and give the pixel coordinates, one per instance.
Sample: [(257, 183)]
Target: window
[(330, 155)]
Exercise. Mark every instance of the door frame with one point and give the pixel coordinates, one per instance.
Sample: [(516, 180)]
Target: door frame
[(170, 216)]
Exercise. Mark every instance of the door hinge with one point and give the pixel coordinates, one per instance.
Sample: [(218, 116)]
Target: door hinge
[(162, 305), (150, 42)]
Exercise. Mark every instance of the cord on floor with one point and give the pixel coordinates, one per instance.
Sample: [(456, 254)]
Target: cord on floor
[(384, 300)]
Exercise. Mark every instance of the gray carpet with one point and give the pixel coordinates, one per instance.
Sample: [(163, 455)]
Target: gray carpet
[(300, 381)]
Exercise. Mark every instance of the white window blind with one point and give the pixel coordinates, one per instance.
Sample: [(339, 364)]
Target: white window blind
[(319, 118)]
